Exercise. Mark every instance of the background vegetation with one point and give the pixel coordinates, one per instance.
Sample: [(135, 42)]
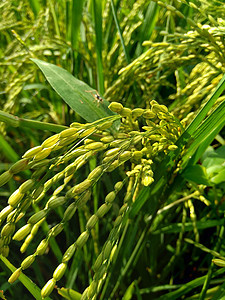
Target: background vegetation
[(170, 235)]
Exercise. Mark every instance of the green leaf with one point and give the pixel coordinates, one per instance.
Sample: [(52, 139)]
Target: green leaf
[(75, 18), (8, 151), (97, 11), (208, 153), (77, 94), (204, 135), (120, 32), (201, 133), (203, 112), (129, 292), (221, 151), (196, 174), (15, 121), (30, 285), (214, 162), (36, 86), (220, 177), (212, 158), (69, 294), (188, 287), (148, 25), (220, 293), (213, 170), (137, 205), (35, 6), (188, 226)]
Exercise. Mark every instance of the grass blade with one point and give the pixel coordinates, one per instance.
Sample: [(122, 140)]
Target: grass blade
[(97, 10), (35, 6), (219, 293), (185, 288), (176, 228), (74, 11), (205, 134), (76, 16), (54, 16), (15, 121), (147, 25), (69, 294), (30, 286), (7, 150), (203, 112), (120, 33)]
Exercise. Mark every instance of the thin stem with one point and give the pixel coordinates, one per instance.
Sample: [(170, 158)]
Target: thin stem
[(120, 33)]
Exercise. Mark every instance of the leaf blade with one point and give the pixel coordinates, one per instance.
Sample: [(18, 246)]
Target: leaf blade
[(77, 94), (26, 281)]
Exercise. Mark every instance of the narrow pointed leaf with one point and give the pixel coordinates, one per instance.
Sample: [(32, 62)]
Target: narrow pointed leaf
[(29, 284), (77, 94), (203, 112), (69, 294)]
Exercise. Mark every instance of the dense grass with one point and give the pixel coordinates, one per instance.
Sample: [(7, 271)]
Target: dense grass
[(145, 220)]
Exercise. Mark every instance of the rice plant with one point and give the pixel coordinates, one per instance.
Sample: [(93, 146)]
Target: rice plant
[(124, 199)]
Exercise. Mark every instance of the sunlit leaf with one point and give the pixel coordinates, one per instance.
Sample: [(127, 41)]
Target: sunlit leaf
[(77, 94), (220, 177), (69, 294)]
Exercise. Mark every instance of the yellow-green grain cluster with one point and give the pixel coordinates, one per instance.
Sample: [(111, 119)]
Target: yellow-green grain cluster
[(144, 135)]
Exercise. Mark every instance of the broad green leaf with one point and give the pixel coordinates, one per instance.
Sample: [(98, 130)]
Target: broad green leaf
[(220, 177), (214, 170), (208, 152), (77, 94), (214, 162), (196, 174), (221, 151)]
